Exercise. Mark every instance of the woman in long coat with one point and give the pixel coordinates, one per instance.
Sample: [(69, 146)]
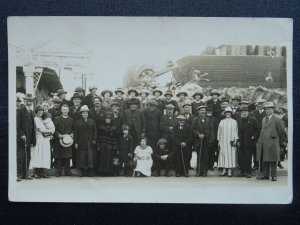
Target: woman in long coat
[(107, 146), (85, 136), (227, 137), (41, 153)]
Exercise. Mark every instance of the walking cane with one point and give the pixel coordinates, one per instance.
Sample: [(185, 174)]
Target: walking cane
[(26, 170), (182, 161), (200, 152)]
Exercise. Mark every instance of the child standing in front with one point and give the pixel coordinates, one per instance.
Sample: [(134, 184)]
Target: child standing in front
[(143, 158), (125, 149)]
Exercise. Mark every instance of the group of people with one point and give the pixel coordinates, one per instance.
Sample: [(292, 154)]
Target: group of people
[(147, 133)]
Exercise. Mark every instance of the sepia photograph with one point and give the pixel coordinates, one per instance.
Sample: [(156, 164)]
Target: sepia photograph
[(150, 110)]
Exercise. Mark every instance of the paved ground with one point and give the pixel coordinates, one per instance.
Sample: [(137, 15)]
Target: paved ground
[(152, 189)]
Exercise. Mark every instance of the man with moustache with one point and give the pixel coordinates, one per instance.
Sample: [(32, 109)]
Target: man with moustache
[(248, 130), (204, 136), (135, 119), (55, 110), (271, 140), (61, 93), (182, 146), (26, 137), (152, 117)]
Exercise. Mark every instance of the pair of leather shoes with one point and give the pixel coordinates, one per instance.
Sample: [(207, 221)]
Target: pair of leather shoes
[(35, 176), (18, 179), (44, 176), (248, 175), (274, 178)]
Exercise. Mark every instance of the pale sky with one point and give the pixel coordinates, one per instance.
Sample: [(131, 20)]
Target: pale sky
[(119, 43)]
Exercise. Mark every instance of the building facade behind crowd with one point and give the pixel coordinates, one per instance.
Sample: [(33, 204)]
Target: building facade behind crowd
[(144, 133)]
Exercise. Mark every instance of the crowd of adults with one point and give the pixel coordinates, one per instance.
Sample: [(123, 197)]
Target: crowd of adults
[(148, 132)]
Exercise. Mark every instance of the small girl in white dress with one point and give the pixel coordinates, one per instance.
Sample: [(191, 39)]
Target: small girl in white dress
[(143, 159)]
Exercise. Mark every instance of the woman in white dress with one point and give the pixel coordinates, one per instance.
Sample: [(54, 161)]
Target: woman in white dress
[(143, 159), (41, 153), (227, 137)]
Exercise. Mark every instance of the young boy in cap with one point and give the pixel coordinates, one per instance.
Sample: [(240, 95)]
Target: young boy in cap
[(163, 157), (126, 151)]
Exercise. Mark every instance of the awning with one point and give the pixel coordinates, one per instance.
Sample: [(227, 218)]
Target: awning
[(50, 79)]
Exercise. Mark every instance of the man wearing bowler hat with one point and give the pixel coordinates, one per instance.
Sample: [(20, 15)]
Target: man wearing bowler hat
[(182, 146), (132, 94), (75, 109), (55, 110), (235, 101), (204, 136), (135, 119), (25, 137), (271, 140), (62, 150), (248, 129), (214, 102)]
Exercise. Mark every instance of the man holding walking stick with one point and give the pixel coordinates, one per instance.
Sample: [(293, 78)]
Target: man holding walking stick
[(203, 132), (181, 146), (25, 137)]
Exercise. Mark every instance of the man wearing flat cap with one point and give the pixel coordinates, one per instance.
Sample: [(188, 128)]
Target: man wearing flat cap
[(203, 132), (271, 141), (152, 118), (214, 102), (182, 141), (167, 124), (61, 93), (169, 100), (248, 130), (88, 100), (135, 119), (25, 137), (55, 111)]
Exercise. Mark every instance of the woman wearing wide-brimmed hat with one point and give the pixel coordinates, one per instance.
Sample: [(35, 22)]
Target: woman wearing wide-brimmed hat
[(197, 96), (106, 99), (181, 100), (41, 153), (227, 137), (85, 136), (119, 98)]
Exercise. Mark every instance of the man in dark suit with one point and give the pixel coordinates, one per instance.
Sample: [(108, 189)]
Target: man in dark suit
[(203, 132), (25, 137), (182, 146), (135, 120), (235, 101), (214, 102), (271, 141), (88, 99), (248, 129), (259, 114), (75, 114)]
